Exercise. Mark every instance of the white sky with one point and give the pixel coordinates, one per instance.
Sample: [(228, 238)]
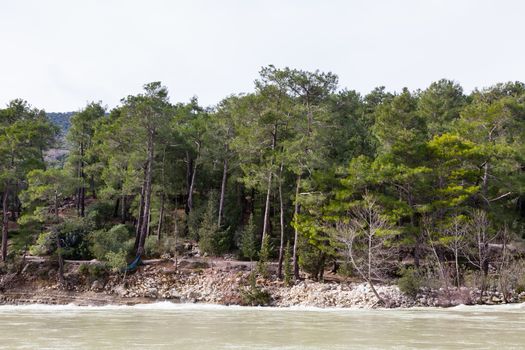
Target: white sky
[(60, 54)]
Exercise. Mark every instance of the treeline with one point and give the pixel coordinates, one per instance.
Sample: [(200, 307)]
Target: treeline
[(342, 178)]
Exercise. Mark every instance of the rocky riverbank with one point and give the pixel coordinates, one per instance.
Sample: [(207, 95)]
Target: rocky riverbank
[(219, 282)]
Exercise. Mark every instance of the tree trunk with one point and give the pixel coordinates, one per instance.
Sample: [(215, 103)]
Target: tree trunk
[(60, 262), (367, 279), (5, 221), (123, 209), (296, 229), (161, 217), (281, 222), (148, 223), (223, 190), (138, 229), (269, 189), (456, 261), (92, 187), (192, 183), (267, 207), (57, 218), (82, 203), (147, 196), (116, 210), (189, 172)]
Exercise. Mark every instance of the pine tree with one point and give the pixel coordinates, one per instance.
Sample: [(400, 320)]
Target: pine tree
[(209, 231), (264, 256), (248, 242), (288, 271)]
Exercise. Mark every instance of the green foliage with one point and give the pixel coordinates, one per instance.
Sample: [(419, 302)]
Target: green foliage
[(46, 188), (288, 272), (410, 282), (194, 221), (212, 240), (264, 257), (116, 261), (73, 236), (426, 156), (248, 242), (43, 246), (110, 242), (100, 213), (93, 271), (255, 295)]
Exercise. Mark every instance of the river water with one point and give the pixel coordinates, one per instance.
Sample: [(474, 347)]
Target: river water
[(187, 327)]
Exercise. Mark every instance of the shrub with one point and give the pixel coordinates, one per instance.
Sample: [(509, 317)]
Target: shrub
[(212, 240), (248, 242), (264, 256), (310, 259), (116, 261), (100, 213), (410, 282), (288, 273), (254, 295), (193, 222), (151, 246), (115, 240), (93, 271), (72, 234), (43, 244)]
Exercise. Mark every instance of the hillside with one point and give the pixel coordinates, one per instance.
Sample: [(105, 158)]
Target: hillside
[(62, 119)]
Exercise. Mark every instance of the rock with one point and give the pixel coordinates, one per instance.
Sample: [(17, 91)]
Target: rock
[(151, 293), (121, 291), (97, 286)]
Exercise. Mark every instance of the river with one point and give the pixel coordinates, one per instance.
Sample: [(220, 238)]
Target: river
[(172, 326)]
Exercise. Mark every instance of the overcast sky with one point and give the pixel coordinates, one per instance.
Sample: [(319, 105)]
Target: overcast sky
[(60, 54)]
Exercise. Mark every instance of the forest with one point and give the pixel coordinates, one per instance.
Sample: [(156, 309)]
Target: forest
[(298, 173)]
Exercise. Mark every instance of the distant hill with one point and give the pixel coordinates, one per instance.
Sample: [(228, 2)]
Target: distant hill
[(61, 119)]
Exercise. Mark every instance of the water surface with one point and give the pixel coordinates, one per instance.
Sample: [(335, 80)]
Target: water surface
[(172, 326)]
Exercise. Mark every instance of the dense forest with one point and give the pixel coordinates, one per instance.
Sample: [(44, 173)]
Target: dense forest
[(299, 172)]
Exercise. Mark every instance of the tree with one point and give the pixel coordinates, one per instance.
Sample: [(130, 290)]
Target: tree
[(80, 137), (47, 188), (310, 91), (248, 242), (210, 238), (150, 112), (440, 104), (478, 253), (25, 134), (365, 236)]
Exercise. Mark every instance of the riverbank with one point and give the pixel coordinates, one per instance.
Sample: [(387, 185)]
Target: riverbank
[(212, 282)]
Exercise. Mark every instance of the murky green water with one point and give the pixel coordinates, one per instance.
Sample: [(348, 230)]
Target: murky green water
[(168, 326)]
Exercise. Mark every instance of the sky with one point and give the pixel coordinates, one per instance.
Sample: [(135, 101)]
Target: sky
[(61, 54)]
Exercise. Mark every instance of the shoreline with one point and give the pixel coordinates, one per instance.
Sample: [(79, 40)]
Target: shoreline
[(224, 283)]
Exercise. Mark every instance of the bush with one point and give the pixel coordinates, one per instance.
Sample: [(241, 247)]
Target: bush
[(151, 247), (264, 256), (248, 242), (100, 213), (310, 258), (92, 271), (115, 240), (43, 245), (410, 282), (193, 222), (254, 295), (72, 234), (116, 261), (212, 240)]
